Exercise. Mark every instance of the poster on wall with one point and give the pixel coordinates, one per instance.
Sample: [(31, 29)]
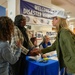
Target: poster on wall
[(39, 35), (35, 14)]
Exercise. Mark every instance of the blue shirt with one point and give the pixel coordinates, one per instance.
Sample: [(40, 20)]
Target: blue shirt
[(6, 57), (44, 45)]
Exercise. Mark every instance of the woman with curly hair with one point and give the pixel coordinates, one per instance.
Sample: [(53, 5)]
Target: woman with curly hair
[(6, 55)]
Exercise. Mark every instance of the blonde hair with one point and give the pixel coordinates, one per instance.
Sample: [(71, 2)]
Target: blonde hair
[(61, 24)]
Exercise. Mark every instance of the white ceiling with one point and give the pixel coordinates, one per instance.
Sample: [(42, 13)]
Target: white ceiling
[(68, 5)]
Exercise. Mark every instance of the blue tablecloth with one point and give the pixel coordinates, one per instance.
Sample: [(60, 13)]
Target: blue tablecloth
[(42, 68)]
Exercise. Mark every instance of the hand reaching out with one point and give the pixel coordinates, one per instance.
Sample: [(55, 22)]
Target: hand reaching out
[(44, 56), (35, 52)]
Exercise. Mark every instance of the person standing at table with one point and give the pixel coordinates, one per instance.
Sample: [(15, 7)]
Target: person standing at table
[(17, 35), (19, 67), (64, 43), (6, 55)]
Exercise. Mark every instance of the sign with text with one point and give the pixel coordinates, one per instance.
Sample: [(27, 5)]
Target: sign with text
[(34, 13)]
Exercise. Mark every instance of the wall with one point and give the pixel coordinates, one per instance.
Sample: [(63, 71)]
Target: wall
[(11, 9), (56, 7), (2, 11), (44, 29)]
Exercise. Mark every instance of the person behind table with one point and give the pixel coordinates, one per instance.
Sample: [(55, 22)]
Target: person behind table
[(64, 43), (19, 67), (34, 41), (6, 55), (45, 43)]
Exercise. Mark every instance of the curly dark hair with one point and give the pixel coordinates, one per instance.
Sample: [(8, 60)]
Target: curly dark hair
[(6, 28)]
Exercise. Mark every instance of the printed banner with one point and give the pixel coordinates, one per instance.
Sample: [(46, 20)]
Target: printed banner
[(35, 14)]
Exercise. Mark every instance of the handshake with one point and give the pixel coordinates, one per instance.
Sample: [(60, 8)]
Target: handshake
[(35, 52)]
